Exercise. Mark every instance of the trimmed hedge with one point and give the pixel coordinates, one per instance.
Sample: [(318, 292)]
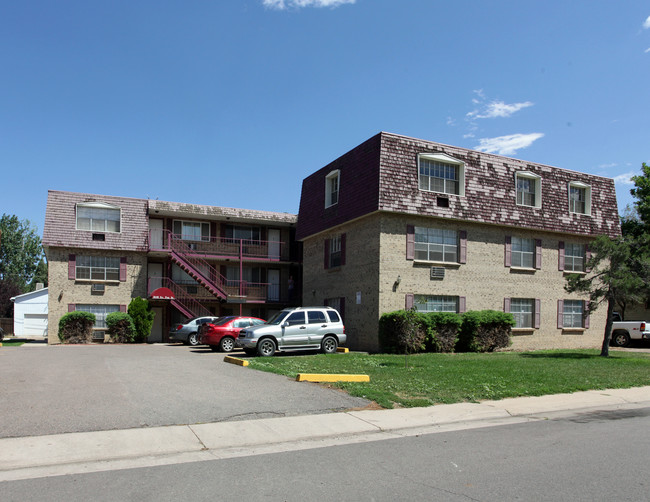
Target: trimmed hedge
[(442, 328), (485, 331), (120, 327), (76, 327)]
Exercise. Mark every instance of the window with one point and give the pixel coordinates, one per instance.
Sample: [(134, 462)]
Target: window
[(529, 189), (423, 303), (296, 318), (332, 188), (97, 268), (435, 244), (574, 257), (572, 313), (523, 310), (316, 316), (250, 274), (579, 198), (338, 304), (523, 252), (100, 311), (335, 251), (243, 233), (438, 172), (192, 230), (98, 217)]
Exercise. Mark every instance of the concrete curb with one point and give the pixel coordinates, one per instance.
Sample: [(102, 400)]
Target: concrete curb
[(40, 453)]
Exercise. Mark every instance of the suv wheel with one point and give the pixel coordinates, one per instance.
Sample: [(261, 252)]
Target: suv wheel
[(266, 347), (329, 345)]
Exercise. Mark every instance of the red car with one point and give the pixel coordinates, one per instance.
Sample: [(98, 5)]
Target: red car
[(222, 333)]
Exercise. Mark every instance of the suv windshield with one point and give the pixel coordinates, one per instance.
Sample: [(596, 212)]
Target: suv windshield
[(278, 318)]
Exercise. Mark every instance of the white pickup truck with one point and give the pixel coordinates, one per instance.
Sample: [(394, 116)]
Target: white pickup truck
[(625, 331)]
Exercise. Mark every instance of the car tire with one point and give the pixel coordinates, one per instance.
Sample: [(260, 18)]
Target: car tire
[(227, 344), (266, 347), (215, 348), (193, 339), (329, 345), (621, 338)]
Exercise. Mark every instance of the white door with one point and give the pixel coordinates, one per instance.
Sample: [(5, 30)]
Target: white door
[(274, 243), (273, 278), (35, 324), (155, 276), (156, 234)]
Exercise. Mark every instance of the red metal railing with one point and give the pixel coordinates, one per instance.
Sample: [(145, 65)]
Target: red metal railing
[(183, 301)]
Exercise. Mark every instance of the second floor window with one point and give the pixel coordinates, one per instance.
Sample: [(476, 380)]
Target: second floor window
[(436, 244), (98, 268), (436, 176), (192, 230), (528, 187), (335, 251), (574, 257), (579, 198), (332, 188), (98, 217), (523, 252)]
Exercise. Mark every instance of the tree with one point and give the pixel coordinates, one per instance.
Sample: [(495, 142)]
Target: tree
[(7, 291), (620, 271), (641, 192), (142, 316), (20, 251), (410, 334), (40, 276)]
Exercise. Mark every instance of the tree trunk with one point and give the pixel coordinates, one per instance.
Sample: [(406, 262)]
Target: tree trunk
[(604, 351)]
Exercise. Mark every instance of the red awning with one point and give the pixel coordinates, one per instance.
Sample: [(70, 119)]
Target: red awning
[(162, 294)]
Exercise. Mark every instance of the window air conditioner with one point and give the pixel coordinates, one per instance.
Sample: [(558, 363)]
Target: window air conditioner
[(437, 273), (97, 288)]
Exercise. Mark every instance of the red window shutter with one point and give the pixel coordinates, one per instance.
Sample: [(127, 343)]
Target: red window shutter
[(342, 249), (122, 308), (462, 258), (123, 268), (409, 301), (506, 305), (538, 314), (462, 305), (326, 254), (560, 314), (342, 307), (585, 309), (508, 252), (72, 307), (72, 267), (587, 257), (410, 242), (538, 253), (560, 255)]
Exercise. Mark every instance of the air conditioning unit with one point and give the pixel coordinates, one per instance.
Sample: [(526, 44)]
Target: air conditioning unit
[(437, 273), (97, 288)]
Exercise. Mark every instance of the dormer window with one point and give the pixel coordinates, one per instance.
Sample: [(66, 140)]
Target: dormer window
[(579, 198), (529, 189), (438, 172), (332, 188), (98, 217)]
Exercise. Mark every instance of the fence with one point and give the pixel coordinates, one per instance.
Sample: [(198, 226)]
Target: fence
[(7, 325)]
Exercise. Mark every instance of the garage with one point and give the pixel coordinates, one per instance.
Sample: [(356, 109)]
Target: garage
[(30, 313)]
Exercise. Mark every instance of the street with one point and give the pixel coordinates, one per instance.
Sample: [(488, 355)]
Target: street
[(579, 456)]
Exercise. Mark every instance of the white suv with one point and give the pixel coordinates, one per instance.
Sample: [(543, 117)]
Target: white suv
[(302, 328)]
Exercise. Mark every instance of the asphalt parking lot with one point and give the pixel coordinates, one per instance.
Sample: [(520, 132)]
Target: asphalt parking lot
[(80, 388)]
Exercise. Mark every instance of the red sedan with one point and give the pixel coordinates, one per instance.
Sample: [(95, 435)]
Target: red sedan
[(222, 333)]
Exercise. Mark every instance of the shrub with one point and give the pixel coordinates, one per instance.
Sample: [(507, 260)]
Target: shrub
[(442, 330), (485, 331), (120, 327), (391, 325), (142, 316), (76, 327)]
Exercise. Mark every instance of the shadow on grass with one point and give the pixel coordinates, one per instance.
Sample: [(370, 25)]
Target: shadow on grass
[(561, 355)]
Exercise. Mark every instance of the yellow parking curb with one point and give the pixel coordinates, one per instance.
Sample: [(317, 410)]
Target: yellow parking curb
[(319, 377), (235, 360), (345, 350)]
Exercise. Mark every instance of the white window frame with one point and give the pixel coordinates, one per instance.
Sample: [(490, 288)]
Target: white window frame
[(332, 185), (95, 212), (192, 236), (538, 188), (523, 311), (100, 311), (573, 311), (440, 244), (521, 253), (570, 257), (436, 303), (442, 158), (587, 191), (335, 252), (99, 268)]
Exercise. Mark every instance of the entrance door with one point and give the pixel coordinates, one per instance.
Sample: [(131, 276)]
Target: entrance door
[(274, 243), (155, 276), (156, 234), (157, 327), (273, 278)]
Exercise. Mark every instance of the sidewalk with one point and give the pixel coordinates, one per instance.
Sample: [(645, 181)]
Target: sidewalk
[(39, 456)]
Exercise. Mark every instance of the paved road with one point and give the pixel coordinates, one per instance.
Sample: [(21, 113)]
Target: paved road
[(585, 456), (58, 389)]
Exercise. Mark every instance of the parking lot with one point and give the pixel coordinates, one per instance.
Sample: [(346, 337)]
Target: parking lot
[(77, 388)]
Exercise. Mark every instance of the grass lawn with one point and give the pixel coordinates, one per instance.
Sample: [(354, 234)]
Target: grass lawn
[(451, 378), (9, 343)]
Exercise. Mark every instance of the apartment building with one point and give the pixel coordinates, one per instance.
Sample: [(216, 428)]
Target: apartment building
[(188, 260), (400, 222)]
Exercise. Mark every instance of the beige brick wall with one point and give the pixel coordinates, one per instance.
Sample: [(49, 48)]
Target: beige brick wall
[(484, 280), (63, 291)]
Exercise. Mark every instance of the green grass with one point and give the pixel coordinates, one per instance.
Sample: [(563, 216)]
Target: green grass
[(8, 343), (451, 378)]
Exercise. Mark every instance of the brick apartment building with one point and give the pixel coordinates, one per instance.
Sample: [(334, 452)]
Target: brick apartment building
[(188, 260), (400, 222)]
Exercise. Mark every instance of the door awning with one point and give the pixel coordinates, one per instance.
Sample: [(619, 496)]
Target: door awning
[(162, 294)]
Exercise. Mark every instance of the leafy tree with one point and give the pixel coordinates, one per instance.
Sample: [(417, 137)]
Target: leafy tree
[(40, 275), (20, 250), (142, 315), (641, 192), (411, 335), (620, 271), (8, 289)]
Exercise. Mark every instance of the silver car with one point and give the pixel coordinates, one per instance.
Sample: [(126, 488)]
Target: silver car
[(187, 333), (302, 328)]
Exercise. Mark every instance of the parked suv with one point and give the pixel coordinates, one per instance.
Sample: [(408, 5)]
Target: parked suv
[(302, 328)]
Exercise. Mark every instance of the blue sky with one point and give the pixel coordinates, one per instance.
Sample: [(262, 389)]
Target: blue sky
[(232, 103)]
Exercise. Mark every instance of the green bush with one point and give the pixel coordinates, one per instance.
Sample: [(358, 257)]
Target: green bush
[(76, 327), (390, 325), (485, 331), (142, 316), (442, 330), (120, 327)]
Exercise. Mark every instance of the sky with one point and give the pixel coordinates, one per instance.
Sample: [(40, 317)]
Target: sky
[(234, 102)]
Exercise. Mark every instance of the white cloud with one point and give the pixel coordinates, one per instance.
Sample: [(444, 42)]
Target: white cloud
[(285, 4), (646, 23), (498, 109), (507, 145), (647, 50), (624, 179)]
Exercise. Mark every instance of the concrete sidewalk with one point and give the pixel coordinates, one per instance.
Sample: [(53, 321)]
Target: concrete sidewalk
[(39, 456)]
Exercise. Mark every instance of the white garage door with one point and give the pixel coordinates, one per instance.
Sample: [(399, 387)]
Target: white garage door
[(35, 325)]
